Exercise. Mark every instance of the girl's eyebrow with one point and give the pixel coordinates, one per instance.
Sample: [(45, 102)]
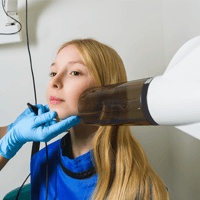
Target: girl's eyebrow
[(71, 63)]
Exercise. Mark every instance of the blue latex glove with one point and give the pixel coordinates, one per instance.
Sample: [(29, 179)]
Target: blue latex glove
[(41, 109), (41, 128)]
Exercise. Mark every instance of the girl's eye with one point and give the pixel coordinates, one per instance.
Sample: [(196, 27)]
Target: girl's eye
[(51, 74), (76, 71), (55, 73)]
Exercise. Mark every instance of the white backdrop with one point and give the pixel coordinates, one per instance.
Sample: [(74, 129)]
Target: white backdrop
[(145, 33)]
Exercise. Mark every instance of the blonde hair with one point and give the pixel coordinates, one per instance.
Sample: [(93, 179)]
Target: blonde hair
[(120, 161)]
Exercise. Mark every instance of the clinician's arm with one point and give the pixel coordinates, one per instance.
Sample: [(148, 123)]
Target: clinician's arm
[(3, 161), (3, 131)]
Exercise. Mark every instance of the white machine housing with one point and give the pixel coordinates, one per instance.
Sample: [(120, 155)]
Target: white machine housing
[(7, 24)]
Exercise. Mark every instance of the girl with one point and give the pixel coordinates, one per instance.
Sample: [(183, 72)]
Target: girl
[(91, 162)]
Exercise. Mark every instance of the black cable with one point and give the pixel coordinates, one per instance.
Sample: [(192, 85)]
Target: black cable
[(34, 91)]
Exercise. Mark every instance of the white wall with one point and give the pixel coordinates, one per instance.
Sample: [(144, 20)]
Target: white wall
[(145, 33)]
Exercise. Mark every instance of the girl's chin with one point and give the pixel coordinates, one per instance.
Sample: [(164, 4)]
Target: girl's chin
[(58, 119)]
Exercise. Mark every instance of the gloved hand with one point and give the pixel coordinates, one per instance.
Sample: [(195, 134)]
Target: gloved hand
[(41, 128), (41, 109)]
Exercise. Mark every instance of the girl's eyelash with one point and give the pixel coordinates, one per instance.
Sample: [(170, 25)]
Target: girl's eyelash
[(55, 73)]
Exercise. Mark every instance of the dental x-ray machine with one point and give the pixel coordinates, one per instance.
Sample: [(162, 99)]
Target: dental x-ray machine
[(171, 99)]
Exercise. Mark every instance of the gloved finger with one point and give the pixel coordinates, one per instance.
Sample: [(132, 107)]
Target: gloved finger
[(46, 108), (45, 133), (64, 125), (50, 123), (19, 118), (41, 109), (52, 131), (53, 122), (44, 118), (27, 112), (24, 114)]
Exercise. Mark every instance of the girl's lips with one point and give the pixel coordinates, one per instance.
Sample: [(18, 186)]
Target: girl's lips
[(55, 101), (55, 98)]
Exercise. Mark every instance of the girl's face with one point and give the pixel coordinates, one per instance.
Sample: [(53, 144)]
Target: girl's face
[(68, 81)]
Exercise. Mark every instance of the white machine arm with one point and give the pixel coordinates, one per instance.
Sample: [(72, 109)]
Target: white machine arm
[(185, 68)]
